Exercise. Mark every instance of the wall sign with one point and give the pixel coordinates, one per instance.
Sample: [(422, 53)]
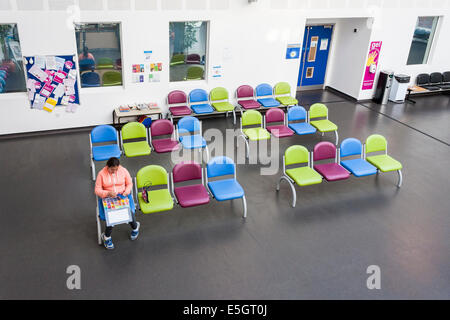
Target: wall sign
[(371, 65), (293, 51)]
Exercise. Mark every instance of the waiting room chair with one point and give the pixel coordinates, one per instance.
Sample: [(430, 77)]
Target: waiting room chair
[(423, 80), (280, 130), (194, 73), (225, 189), (163, 127), (193, 58), (159, 197), (296, 114), (445, 81), (105, 63), (178, 104), (199, 102), (245, 97), (219, 100), (86, 65), (382, 162), (264, 96), (90, 79), (252, 118), (188, 195), (189, 133), (331, 171), (282, 92), (359, 167), (103, 134), (319, 110), (112, 78), (134, 130), (300, 175), (177, 59)]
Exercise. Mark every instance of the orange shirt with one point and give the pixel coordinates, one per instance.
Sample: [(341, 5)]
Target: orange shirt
[(120, 182)]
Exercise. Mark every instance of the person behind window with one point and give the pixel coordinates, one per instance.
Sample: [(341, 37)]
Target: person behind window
[(86, 54), (112, 181)]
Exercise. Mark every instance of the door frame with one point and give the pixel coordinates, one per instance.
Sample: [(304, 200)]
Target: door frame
[(330, 50)]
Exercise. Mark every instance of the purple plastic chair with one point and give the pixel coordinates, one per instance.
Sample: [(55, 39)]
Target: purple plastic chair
[(193, 58), (245, 97), (159, 128), (330, 171), (177, 102), (190, 195), (276, 115)]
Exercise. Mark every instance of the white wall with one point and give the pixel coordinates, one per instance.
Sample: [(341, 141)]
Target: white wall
[(253, 36)]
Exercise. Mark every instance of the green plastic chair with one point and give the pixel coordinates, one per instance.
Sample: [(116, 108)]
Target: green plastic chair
[(252, 118), (134, 130), (112, 78), (282, 92), (382, 162), (319, 110), (160, 199), (302, 176), (220, 102), (194, 73), (177, 59), (105, 63)]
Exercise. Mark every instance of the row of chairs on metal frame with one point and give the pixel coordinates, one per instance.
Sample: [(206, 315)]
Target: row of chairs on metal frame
[(339, 169)]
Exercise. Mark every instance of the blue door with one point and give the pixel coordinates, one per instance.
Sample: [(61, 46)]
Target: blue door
[(315, 49)]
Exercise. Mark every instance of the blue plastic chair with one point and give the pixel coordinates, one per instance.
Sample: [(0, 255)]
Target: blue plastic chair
[(358, 167), (298, 113), (199, 102), (86, 64), (101, 134), (225, 189), (193, 139), (90, 79), (265, 90)]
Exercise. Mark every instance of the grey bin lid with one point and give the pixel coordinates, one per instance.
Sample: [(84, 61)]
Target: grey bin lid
[(402, 78)]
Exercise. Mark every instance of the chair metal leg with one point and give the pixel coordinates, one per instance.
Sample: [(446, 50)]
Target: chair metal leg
[(99, 228), (400, 178), (247, 147), (337, 137), (244, 203), (322, 134), (93, 169), (207, 153), (234, 117), (294, 193)]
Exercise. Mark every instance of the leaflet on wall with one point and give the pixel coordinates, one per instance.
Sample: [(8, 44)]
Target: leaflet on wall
[(371, 65), (293, 51), (217, 72)]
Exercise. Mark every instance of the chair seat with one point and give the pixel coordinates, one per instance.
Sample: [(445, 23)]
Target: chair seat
[(159, 200), (268, 102), (202, 108), (287, 100), (165, 145), (444, 86), (332, 171), (223, 106), (249, 104), (193, 195), (136, 149), (280, 131), (193, 142), (256, 134), (302, 128), (304, 176), (431, 87), (101, 153), (385, 163), (227, 189), (180, 111), (324, 125), (359, 167)]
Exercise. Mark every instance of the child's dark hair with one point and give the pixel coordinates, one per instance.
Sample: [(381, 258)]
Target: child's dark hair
[(112, 162)]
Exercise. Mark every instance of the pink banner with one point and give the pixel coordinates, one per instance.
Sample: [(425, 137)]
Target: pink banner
[(371, 65)]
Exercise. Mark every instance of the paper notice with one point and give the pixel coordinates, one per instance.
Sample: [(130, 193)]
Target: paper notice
[(59, 91), (73, 74), (50, 62), (49, 104), (69, 86), (38, 102), (39, 61), (65, 100), (31, 85), (38, 73), (59, 63)]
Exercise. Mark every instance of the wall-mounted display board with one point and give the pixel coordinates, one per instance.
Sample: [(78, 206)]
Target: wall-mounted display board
[(52, 81)]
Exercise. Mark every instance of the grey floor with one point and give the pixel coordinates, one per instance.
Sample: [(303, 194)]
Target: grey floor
[(319, 250)]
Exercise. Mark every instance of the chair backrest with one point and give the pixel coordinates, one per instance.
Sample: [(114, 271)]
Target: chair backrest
[(376, 142), (220, 166), (263, 89), (193, 57), (436, 78), (296, 113), (154, 174), (446, 76), (324, 150), (198, 95), (318, 110), (244, 91), (186, 170), (218, 94), (133, 130), (103, 133), (161, 127), (176, 97), (423, 78), (274, 115), (350, 147), (251, 117), (90, 78), (105, 61), (282, 88), (188, 124), (296, 154)]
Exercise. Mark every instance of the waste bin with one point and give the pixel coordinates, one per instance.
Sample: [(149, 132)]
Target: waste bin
[(383, 86), (399, 88)]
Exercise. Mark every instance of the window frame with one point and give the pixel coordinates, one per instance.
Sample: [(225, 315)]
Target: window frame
[(428, 55)]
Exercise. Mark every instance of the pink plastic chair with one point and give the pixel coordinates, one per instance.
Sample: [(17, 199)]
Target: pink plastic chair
[(330, 171), (159, 128), (245, 97), (177, 102), (190, 195), (276, 115)]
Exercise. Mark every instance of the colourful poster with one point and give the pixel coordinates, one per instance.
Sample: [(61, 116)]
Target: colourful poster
[(371, 65)]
